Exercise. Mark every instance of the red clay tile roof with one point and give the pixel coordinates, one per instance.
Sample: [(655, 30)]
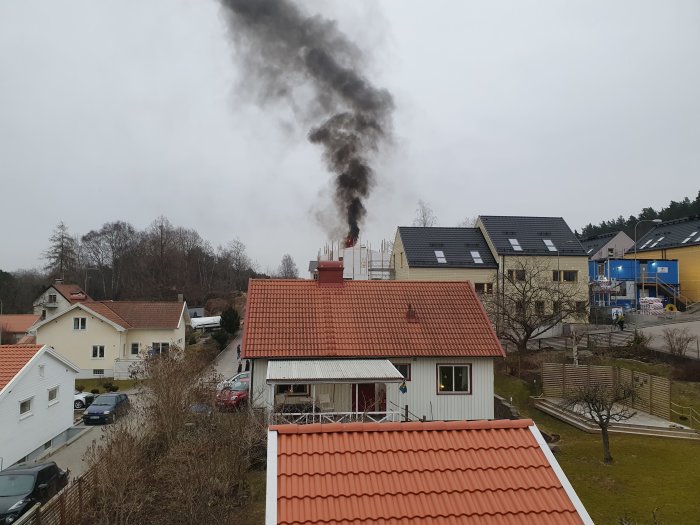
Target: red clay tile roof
[(139, 314), (72, 292), (12, 360), (299, 318), (17, 323), (486, 472)]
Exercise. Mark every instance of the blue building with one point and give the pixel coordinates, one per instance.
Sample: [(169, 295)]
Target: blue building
[(622, 282)]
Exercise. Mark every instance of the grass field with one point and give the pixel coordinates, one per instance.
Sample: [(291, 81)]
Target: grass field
[(648, 473)]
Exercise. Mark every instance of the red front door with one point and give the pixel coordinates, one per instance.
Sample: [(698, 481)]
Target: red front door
[(363, 397)]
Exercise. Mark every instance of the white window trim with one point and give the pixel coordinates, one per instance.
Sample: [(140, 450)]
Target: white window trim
[(52, 402), (79, 323), (470, 387), (104, 352), (28, 413)]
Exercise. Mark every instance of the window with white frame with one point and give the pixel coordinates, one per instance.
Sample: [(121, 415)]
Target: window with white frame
[(25, 407), (454, 379), (134, 349), (98, 371), (53, 395), (52, 297), (98, 351), (292, 390), (79, 323)]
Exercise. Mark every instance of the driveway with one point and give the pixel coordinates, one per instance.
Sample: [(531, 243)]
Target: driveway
[(226, 363)]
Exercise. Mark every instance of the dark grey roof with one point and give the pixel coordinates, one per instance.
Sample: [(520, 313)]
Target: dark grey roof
[(530, 233), (420, 245), (313, 266), (671, 234), (592, 244)]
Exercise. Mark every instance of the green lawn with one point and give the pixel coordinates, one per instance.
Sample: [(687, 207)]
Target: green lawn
[(648, 472), (254, 511)]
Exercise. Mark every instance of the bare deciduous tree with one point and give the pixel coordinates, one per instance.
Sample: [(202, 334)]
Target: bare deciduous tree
[(467, 222), (288, 268), (527, 301), (424, 215), (678, 340), (602, 404)]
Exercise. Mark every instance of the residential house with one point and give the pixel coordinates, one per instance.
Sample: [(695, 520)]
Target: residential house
[(14, 327), (36, 401), (413, 473), (674, 240), (57, 298), (332, 349), (105, 338), (444, 254), (606, 246), (545, 244)]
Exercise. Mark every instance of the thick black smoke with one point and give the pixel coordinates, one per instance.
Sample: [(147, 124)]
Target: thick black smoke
[(286, 49)]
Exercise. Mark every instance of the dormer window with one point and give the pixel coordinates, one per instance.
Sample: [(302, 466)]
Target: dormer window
[(440, 255), (550, 245), (516, 245), (477, 257)]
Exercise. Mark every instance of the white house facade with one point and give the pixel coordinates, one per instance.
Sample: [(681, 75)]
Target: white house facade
[(36, 402)]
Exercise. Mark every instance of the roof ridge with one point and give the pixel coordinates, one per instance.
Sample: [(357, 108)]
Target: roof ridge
[(412, 470), (319, 428)]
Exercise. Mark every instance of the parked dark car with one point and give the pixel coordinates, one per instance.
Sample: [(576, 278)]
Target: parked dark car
[(234, 396), (106, 408), (24, 486)]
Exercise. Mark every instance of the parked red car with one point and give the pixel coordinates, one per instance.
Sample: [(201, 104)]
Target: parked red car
[(233, 396)]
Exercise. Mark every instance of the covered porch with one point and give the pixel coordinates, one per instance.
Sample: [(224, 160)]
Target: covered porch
[(331, 390)]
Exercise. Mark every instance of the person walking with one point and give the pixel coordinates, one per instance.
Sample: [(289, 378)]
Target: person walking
[(621, 321), (238, 352)]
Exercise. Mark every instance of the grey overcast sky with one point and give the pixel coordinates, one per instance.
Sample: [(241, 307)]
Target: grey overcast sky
[(129, 109)]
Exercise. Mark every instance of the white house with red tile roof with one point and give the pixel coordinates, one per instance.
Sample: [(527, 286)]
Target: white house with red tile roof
[(105, 338), (57, 298), (36, 401), (334, 350), (486, 472)]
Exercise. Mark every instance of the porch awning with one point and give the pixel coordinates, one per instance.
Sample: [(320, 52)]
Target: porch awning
[(333, 371)]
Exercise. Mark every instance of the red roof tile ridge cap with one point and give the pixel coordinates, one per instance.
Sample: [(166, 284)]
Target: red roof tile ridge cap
[(394, 427), (554, 483), (23, 346)]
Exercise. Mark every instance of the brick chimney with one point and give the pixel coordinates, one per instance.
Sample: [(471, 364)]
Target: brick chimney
[(330, 273)]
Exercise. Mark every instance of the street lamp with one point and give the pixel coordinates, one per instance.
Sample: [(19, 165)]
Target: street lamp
[(655, 221)]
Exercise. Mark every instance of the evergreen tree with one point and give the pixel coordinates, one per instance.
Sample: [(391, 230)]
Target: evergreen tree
[(61, 254)]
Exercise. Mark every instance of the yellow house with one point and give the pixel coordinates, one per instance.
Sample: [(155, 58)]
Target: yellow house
[(104, 338), (546, 245), (443, 254), (677, 239)]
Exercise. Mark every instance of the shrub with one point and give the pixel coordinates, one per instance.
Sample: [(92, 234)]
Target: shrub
[(221, 337), (80, 388), (230, 320), (678, 340), (114, 388), (639, 341), (95, 391), (107, 386), (192, 339)]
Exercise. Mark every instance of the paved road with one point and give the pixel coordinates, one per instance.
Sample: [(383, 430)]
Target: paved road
[(226, 362), (657, 341)]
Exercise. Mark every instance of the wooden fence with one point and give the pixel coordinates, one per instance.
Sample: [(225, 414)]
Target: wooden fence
[(653, 393), (65, 508)]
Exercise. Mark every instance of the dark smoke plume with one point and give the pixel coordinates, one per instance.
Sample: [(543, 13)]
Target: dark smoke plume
[(287, 51)]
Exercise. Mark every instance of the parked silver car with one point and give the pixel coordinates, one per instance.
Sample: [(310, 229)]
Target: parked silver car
[(82, 399)]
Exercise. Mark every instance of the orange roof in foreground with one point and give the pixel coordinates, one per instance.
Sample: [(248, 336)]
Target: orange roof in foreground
[(12, 360), (17, 323), (486, 472), (300, 318)]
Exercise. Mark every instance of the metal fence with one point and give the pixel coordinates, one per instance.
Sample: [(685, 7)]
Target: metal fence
[(65, 508), (653, 393)]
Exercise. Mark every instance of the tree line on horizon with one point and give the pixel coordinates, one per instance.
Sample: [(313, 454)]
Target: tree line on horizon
[(674, 210), (119, 262)]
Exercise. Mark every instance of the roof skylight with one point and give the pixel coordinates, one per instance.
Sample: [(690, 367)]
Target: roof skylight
[(657, 241), (440, 256), (516, 245), (550, 245), (477, 257), (689, 237), (645, 244)]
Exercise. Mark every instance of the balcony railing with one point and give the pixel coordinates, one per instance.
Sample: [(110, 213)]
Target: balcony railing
[(305, 418)]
